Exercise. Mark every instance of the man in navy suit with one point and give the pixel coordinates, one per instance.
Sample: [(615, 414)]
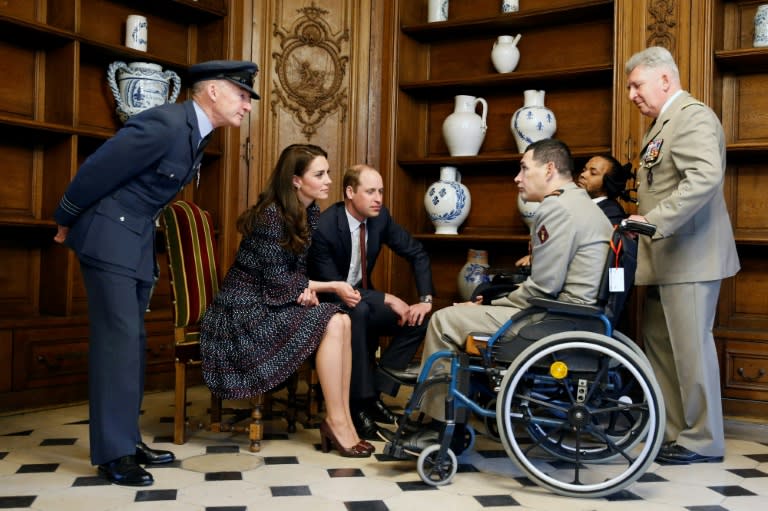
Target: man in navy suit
[(335, 255), (107, 216), (605, 180)]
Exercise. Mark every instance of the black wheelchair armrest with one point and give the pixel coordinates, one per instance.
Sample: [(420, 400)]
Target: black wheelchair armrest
[(565, 307)]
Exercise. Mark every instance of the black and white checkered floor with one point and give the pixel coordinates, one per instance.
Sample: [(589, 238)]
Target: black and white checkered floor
[(44, 466)]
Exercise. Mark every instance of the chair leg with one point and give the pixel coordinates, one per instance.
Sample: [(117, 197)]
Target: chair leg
[(180, 404), (215, 414), (290, 407), (314, 397), (256, 427)]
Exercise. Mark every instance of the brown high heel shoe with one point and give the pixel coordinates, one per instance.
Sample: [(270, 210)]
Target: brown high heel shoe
[(366, 446), (328, 439)]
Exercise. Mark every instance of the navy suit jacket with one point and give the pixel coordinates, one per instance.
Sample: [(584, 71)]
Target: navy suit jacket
[(118, 192), (331, 251)]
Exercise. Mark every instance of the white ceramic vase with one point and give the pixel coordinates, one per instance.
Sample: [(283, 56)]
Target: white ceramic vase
[(473, 273), (437, 10), (447, 201), (464, 130), (141, 85), (527, 211), (505, 54), (761, 26), (533, 121)]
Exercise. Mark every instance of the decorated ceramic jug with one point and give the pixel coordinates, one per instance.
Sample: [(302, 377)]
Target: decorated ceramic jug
[(447, 202), (473, 273), (141, 85), (464, 130), (533, 121)]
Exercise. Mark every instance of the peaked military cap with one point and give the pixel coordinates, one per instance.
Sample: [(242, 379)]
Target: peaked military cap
[(239, 72)]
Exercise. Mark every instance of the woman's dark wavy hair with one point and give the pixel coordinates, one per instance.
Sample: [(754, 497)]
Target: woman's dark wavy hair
[(293, 161)]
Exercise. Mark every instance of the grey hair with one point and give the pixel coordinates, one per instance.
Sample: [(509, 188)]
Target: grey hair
[(653, 57)]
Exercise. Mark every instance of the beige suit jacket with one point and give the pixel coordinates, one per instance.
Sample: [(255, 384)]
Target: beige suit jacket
[(684, 152)]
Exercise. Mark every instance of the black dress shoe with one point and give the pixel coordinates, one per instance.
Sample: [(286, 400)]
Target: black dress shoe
[(408, 376), (676, 454), (365, 425), (125, 471), (379, 412), (147, 456)]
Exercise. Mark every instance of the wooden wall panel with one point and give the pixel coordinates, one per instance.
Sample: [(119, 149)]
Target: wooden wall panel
[(19, 274), (17, 89)]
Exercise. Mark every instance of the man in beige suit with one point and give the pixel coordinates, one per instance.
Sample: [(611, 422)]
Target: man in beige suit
[(569, 246), (680, 189)]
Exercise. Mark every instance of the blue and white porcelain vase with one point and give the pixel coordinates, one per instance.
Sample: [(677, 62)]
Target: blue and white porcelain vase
[(473, 273), (533, 121), (447, 201), (141, 85), (761, 26)]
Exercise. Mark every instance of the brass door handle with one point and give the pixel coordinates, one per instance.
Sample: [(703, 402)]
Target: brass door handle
[(760, 374)]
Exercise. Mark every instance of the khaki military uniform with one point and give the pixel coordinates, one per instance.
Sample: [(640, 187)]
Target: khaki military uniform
[(680, 189)]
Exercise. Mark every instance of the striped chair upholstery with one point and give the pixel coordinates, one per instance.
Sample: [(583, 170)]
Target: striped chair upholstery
[(192, 260)]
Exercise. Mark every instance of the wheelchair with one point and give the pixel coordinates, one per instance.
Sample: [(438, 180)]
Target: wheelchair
[(573, 401)]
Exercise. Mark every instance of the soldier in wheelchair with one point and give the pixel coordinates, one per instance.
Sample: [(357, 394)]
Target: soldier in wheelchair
[(552, 379)]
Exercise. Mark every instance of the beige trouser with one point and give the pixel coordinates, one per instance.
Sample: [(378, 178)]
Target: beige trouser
[(455, 322), (677, 332)]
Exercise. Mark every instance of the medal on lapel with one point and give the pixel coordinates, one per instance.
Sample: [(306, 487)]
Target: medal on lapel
[(652, 152)]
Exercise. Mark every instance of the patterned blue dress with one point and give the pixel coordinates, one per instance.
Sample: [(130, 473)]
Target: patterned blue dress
[(254, 335)]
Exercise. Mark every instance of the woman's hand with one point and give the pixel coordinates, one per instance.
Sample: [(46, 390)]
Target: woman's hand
[(308, 298)]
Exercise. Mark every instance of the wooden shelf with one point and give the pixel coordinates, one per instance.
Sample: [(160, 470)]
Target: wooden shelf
[(196, 10), (587, 11), (53, 129), (743, 60), (487, 160), (474, 235), (37, 34), (584, 76)]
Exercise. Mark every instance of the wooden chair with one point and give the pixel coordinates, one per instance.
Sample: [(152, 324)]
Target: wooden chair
[(192, 258)]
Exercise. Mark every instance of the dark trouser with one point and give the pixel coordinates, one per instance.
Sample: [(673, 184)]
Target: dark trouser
[(116, 361), (369, 322)]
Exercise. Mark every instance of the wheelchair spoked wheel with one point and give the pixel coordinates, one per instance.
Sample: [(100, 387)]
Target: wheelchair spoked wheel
[(434, 471), (592, 409)]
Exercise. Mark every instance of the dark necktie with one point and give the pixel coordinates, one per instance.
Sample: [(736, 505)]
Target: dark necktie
[(363, 266)]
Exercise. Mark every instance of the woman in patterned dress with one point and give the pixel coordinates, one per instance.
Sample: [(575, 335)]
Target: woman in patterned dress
[(267, 319)]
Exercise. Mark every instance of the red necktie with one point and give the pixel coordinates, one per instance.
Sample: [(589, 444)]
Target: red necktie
[(363, 266)]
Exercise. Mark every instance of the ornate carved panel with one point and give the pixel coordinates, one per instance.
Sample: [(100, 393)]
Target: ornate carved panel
[(662, 28), (316, 84), (310, 70)]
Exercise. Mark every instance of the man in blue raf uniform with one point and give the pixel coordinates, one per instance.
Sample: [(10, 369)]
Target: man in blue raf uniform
[(107, 216)]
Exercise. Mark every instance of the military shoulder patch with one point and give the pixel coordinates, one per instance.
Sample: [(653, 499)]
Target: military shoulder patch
[(543, 234)]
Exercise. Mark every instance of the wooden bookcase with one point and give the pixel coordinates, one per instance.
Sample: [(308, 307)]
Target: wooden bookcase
[(739, 84), (567, 49), (56, 108)]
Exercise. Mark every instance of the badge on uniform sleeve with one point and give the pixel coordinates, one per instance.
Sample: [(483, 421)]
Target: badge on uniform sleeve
[(653, 151), (543, 234)]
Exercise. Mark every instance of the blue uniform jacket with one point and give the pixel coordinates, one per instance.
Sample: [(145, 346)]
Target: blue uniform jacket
[(113, 201)]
